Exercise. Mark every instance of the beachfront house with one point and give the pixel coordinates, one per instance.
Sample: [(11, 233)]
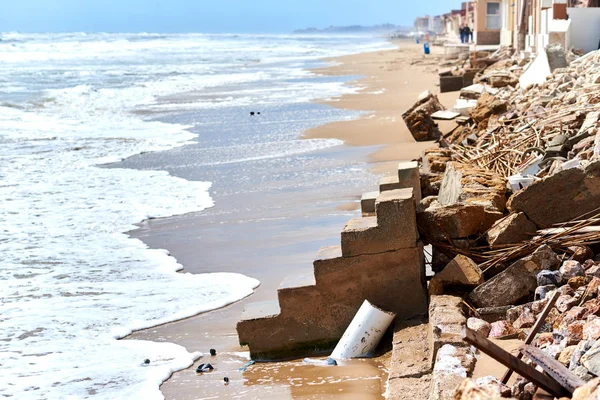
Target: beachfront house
[(488, 22)]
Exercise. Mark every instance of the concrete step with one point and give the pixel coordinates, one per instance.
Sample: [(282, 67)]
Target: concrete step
[(367, 203), (260, 310), (393, 228), (409, 177), (296, 290), (389, 183)]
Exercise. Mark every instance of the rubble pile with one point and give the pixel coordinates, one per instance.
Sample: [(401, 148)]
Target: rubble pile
[(418, 117), (542, 127), (511, 207)]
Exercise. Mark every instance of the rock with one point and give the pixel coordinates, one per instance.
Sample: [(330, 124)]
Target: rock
[(565, 356), (451, 222), (564, 303), (578, 281), (525, 320), (461, 272), (571, 268), (487, 105), (556, 56), (546, 277), (561, 197), (591, 329), (501, 329), (593, 271), (538, 306), (513, 313), (575, 331), (583, 373), (545, 339), (513, 229), (517, 282), (581, 348), (581, 253), (566, 290), (480, 326), (418, 117), (542, 291), (574, 314), (464, 183), (590, 390), (591, 359), (487, 387)]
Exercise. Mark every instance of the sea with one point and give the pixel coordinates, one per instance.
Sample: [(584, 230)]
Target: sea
[(72, 280)]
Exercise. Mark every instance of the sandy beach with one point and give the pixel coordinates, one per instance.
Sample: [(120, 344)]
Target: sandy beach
[(273, 243)]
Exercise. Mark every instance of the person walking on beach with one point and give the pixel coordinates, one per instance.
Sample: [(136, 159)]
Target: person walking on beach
[(468, 35), (463, 34)]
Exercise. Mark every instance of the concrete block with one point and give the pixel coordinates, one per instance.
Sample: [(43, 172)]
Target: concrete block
[(389, 183), (451, 83), (367, 203), (393, 228), (410, 177)]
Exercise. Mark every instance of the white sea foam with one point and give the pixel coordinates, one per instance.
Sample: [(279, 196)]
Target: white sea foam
[(71, 280)]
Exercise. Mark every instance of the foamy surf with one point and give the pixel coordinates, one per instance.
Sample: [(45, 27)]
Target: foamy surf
[(72, 281)]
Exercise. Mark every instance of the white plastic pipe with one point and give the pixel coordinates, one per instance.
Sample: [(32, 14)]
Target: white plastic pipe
[(364, 332)]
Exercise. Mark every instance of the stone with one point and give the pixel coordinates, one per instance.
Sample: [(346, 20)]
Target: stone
[(463, 183), (545, 339), (501, 329), (568, 318), (581, 348), (590, 390), (575, 331), (542, 291), (591, 329), (564, 303), (525, 320), (565, 356), (578, 281), (556, 56), (480, 326), (583, 373), (452, 365), (547, 277), (538, 306), (487, 105), (451, 222), (571, 268), (461, 272), (591, 359), (566, 290), (593, 271), (517, 282), (581, 253), (418, 117), (487, 387), (560, 197), (513, 229), (493, 314), (513, 313)]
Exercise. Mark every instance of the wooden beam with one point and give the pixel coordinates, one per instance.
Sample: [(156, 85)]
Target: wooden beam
[(512, 362), (534, 330), (553, 368)]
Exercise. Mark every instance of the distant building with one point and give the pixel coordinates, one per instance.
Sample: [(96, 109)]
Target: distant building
[(438, 25), (422, 24)]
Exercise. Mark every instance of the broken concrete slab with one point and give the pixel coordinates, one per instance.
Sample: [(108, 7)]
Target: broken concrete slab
[(452, 366), (445, 115), (487, 105), (513, 229), (463, 183), (460, 273), (517, 282), (418, 117), (562, 197), (452, 222), (409, 177), (556, 56)]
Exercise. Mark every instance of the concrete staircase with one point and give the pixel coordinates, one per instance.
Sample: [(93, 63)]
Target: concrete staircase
[(380, 259)]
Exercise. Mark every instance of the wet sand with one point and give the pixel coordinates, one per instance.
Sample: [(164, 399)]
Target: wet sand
[(270, 238)]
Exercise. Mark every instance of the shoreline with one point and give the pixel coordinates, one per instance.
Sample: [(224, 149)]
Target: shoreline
[(385, 99)]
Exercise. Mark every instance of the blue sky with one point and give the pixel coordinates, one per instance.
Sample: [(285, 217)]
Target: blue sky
[(211, 16)]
